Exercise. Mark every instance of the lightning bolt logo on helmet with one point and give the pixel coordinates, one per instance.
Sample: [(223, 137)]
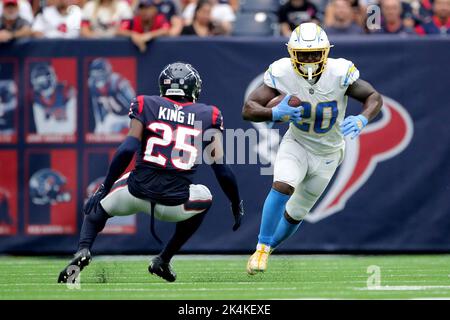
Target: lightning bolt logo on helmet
[(308, 48)]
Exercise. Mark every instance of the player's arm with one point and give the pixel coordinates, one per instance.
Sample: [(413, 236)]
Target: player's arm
[(254, 108), (121, 159), (372, 102), (124, 153), (227, 180), (366, 94)]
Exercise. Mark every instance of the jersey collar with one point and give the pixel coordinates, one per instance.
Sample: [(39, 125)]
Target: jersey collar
[(183, 104)]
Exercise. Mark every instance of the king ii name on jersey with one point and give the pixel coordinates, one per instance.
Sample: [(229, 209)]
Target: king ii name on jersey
[(176, 115), (167, 160)]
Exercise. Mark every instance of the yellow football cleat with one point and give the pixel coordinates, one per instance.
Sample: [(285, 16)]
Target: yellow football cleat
[(258, 261)]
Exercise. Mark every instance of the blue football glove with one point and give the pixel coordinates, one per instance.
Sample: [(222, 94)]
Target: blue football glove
[(353, 125), (284, 112)]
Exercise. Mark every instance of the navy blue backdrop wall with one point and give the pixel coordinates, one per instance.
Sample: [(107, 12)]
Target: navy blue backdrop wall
[(391, 193)]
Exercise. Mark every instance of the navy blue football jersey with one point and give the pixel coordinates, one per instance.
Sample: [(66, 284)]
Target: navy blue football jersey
[(171, 147)]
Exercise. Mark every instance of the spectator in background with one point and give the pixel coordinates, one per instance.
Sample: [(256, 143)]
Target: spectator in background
[(147, 24), (201, 25), (358, 10), (421, 9), (343, 19), (439, 23), (12, 26), (38, 5), (392, 21), (102, 18), (170, 11), (25, 10), (222, 16), (295, 12), (57, 21), (235, 4)]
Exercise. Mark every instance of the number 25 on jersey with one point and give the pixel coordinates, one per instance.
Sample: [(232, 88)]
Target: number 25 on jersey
[(171, 140)]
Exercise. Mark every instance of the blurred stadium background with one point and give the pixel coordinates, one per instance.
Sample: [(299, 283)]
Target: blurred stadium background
[(68, 70)]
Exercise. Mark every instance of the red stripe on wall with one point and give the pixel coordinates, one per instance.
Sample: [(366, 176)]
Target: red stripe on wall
[(8, 185)]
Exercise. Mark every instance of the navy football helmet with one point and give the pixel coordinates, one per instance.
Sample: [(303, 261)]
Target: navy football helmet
[(43, 78), (100, 71), (180, 79), (48, 187)]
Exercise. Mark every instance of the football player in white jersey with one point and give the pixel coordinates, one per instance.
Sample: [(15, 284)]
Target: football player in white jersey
[(313, 147)]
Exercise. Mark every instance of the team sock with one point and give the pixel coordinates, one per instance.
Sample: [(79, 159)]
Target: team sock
[(183, 231), (286, 228), (93, 224), (273, 209)]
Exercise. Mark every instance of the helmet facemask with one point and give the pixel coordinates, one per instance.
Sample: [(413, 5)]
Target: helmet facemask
[(309, 63)]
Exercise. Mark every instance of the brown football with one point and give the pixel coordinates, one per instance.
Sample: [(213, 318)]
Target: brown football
[(293, 101)]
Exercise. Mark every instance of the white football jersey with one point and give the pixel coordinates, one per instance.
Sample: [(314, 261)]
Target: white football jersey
[(55, 25), (324, 102)]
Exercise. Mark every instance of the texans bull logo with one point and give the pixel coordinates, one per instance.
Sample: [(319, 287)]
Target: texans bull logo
[(379, 141)]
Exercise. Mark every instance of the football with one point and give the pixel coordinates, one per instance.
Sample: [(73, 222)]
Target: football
[(293, 101)]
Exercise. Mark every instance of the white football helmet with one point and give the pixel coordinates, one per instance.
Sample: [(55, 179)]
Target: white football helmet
[(309, 48)]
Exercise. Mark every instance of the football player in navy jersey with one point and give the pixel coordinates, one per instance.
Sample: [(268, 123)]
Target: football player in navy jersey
[(110, 95), (164, 132)]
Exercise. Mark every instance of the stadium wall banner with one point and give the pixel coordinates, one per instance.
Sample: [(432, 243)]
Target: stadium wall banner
[(63, 111)]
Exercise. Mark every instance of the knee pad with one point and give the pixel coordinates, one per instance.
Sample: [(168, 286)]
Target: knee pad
[(296, 211), (298, 207), (201, 193)]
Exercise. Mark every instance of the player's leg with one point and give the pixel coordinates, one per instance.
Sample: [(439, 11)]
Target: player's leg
[(188, 218), (306, 195), (118, 202), (290, 168)]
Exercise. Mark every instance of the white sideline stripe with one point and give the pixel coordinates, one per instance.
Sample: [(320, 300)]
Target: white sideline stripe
[(157, 284), (217, 257), (309, 298), (428, 298), (18, 259), (155, 290), (402, 288)]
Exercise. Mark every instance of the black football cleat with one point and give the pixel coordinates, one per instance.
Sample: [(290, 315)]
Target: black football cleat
[(162, 269), (81, 259)]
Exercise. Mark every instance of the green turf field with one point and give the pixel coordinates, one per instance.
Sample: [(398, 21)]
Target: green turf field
[(224, 277)]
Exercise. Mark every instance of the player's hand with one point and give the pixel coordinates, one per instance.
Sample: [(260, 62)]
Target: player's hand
[(353, 125), (238, 213), (284, 112), (95, 199)]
